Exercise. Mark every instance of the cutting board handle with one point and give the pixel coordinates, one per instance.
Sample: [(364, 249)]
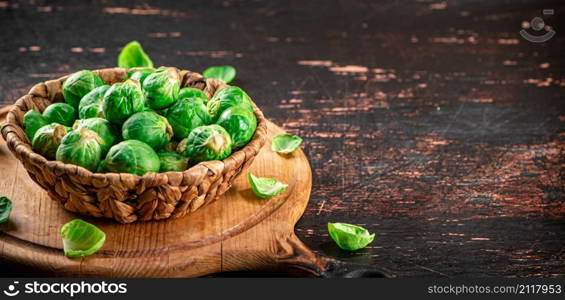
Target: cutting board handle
[(294, 254)]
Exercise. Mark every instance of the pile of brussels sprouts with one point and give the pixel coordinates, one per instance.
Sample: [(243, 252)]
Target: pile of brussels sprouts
[(146, 123)]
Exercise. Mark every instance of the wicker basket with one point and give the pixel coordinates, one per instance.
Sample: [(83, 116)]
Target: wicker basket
[(124, 197)]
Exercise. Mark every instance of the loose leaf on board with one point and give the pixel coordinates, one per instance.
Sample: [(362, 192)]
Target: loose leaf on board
[(265, 187), (285, 143), (81, 238)]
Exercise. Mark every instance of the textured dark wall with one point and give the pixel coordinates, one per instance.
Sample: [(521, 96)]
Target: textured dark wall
[(433, 124)]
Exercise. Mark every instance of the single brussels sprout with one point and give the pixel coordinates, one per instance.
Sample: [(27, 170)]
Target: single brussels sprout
[(140, 75), (48, 138), (192, 93), (187, 114), (80, 84), (32, 122), (123, 100), (225, 98), (90, 105), (81, 147), (61, 113), (148, 127), (132, 156), (171, 161), (240, 123), (161, 88), (204, 143), (105, 130), (102, 167)]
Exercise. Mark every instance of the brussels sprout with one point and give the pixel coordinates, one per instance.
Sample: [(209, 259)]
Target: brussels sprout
[(161, 88), (187, 114), (32, 122), (5, 209), (192, 93), (240, 122), (102, 167), (140, 75), (108, 133), (228, 97), (47, 139), (148, 127), (132, 156), (123, 100), (80, 84), (61, 113), (206, 143), (81, 147), (90, 105), (171, 161)]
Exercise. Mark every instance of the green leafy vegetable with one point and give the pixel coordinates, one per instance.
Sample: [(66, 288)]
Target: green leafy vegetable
[(226, 98), (32, 122), (107, 132), (148, 127), (210, 142), (90, 105), (80, 84), (223, 73), (189, 92), (102, 167), (266, 187), (81, 238), (81, 147), (161, 88), (285, 143), (350, 237), (140, 74), (5, 209), (48, 138), (240, 122), (132, 156), (171, 161), (62, 113), (122, 100), (132, 56), (187, 114)]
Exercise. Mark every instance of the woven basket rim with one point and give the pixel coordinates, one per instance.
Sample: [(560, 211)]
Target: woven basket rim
[(24, 149)]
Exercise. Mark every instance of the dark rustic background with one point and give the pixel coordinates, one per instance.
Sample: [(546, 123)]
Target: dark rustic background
[(431, 123)]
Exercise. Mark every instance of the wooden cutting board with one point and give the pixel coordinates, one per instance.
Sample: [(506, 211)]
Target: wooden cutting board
[(237, 232)]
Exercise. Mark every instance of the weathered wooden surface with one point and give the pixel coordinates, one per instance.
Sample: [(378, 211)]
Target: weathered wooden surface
[(431, 123)]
